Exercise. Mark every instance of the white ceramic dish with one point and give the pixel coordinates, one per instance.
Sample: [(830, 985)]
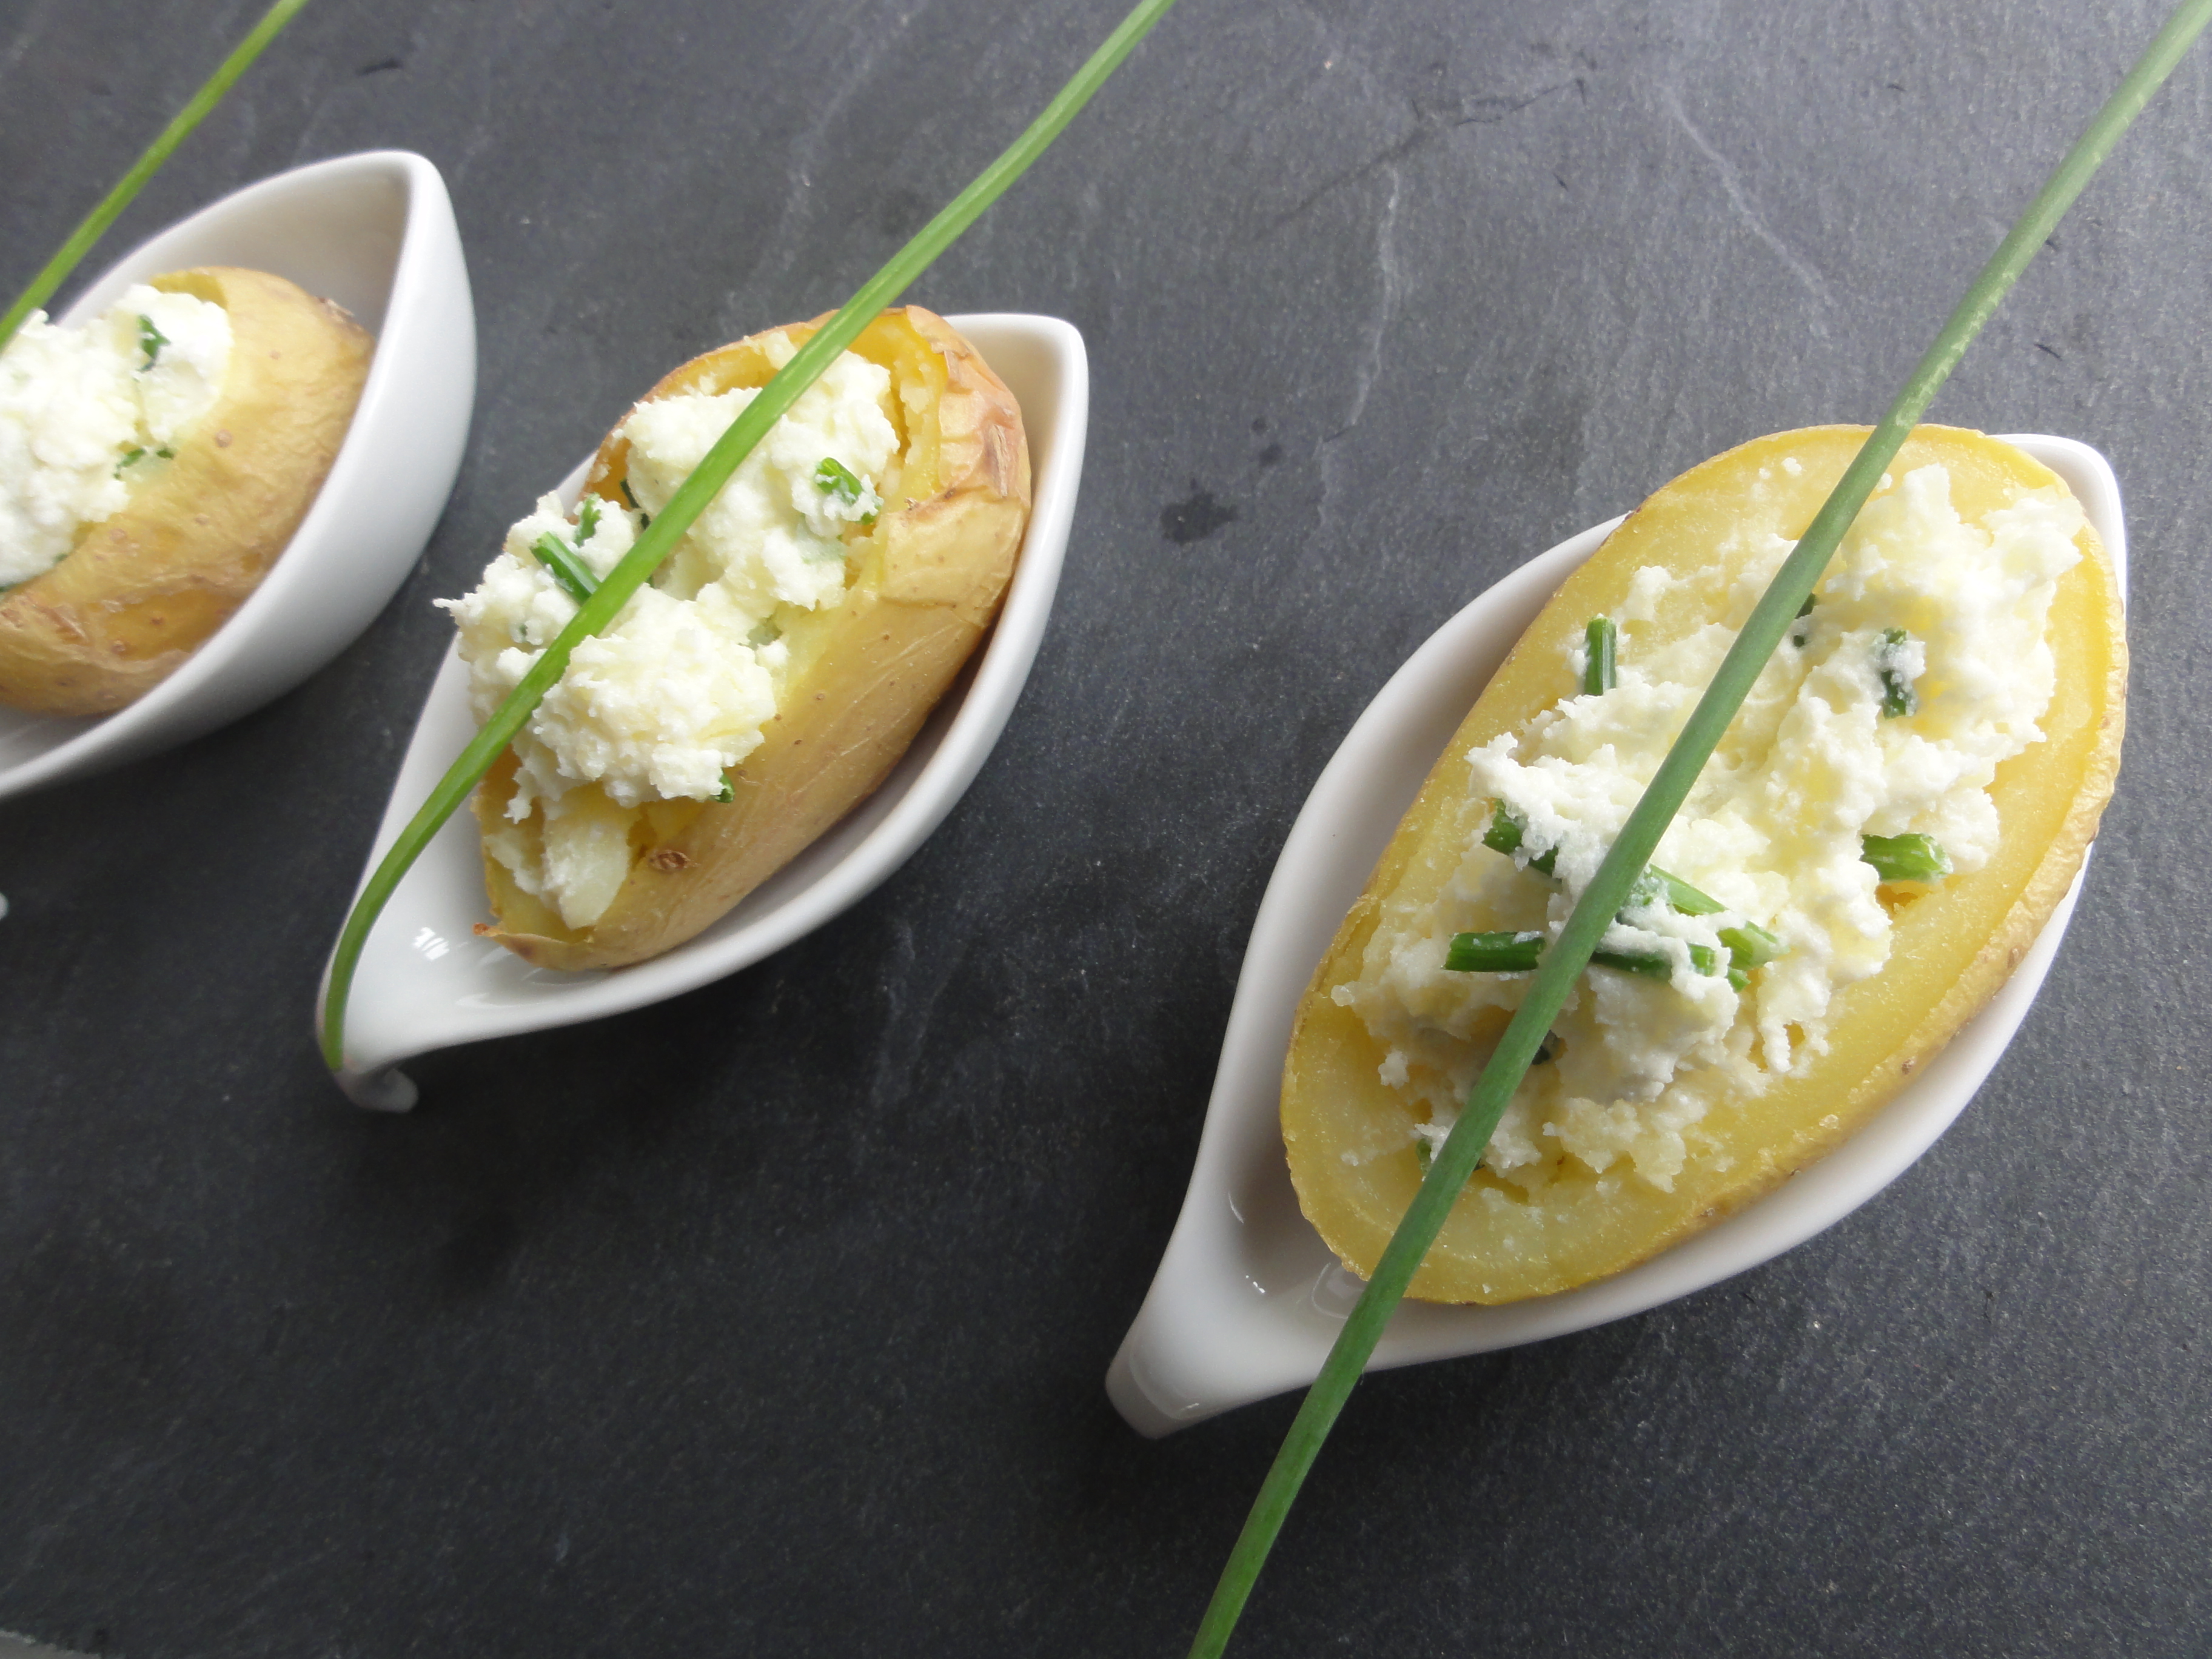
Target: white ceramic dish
[(1247, 1300), (375, 233), (425, 982)]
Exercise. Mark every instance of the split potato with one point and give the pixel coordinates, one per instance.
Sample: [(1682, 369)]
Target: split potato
[(144, 588), (922, 588), (1350, 1133)]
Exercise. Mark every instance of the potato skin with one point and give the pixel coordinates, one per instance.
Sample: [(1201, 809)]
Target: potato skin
[(928, 579), (1951, 950), (145, 587)]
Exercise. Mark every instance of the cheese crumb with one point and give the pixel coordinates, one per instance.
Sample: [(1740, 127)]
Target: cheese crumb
[(87, 415), (1771, 831)]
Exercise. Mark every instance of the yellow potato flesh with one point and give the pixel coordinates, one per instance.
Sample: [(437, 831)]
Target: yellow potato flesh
[(144, 588), (860, 678), (1351, 1138)]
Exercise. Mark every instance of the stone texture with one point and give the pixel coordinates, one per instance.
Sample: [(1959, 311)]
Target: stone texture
[(773, 1320)]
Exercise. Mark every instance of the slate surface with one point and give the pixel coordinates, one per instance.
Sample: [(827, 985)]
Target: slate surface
[(773, 1320)]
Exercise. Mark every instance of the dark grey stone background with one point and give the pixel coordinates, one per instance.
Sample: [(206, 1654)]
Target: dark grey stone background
[(773, 1320)]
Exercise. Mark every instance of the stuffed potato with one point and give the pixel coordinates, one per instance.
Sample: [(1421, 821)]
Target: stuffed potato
[(781, 660), (1954, 696), (150, 482)]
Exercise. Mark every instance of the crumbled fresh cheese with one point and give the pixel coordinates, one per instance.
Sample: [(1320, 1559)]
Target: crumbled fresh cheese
[(1771, 831), (85, 414), (660, 705)]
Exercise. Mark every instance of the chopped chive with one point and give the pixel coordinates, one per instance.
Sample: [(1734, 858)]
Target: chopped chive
[(623, 484), (727, 792), (132, 456), (562, 563), (1507, 828), (832, 477), (1912, 857), (1651, 964), (1738, 979), (588, 520), (1658, 964), (1493, 953), (1425, 1153), (1898, 696), (1677, 894), (1601, 642), (1520, 952), (1750, 946), (150, 341), (1801, 630), (1806, 609)]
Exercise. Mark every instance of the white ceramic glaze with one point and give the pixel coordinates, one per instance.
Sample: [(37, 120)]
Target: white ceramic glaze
[(425, 982), (1247, 1300), (375, 233)]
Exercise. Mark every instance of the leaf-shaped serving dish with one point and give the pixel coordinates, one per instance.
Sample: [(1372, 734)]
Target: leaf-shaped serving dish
[(1247, 1300), (425, 981), (375, 233)]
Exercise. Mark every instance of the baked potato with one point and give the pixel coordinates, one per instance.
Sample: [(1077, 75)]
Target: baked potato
[(847, 674), (207, 513), (1909, 647)]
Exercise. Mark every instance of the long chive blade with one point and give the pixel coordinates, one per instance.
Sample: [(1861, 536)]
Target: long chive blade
[(1912, 857), (659, 538), (1639, 837), (1505, 833), (1601, 642), (96, 222)]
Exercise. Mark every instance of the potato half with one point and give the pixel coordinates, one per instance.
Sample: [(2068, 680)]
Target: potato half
[(144, 588), (926, 578), (1952, 946)]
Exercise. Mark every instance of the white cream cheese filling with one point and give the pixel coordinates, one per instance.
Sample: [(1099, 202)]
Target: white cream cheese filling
[(676, 691), (1772, 830), (89, 414)]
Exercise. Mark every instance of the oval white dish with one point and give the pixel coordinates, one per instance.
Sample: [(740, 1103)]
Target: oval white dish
[(375, 233), (425, 982), (1247, 1300)]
